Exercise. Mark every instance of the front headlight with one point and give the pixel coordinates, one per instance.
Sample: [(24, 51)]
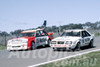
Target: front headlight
[(53, 42), (68, 42)]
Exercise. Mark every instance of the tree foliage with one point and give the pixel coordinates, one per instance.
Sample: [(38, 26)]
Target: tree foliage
[(88, 25), (4, 33), (16, 32)]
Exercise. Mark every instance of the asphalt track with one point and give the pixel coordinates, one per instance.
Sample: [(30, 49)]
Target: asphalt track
[(40, 55)]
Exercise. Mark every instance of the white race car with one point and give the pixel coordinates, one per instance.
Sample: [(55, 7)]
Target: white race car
[(73, 40)]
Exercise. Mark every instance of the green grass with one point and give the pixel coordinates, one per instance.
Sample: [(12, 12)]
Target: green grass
[(2, 47), (97, 34), (87, 60)]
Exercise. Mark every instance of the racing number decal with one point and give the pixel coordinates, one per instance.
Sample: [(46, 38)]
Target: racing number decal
[(40, 40), (87, 39), (37, 41), (82, 40)]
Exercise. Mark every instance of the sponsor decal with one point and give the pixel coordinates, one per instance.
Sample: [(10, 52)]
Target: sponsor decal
[(60, 45), (87, 39), (40, 40)]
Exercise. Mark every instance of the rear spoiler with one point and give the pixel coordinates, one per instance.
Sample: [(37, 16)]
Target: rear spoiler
[(50, 33)]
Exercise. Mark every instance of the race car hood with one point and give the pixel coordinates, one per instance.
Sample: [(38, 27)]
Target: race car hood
[(66, 38), (20, 39)]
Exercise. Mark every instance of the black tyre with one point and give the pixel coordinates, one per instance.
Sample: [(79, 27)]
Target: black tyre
[(49, 41), (77, 48), (33, 46), (91, 44), (55, 49)]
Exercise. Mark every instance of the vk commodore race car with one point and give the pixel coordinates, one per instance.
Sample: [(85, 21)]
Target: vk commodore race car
[(73, 40), (30, 39)]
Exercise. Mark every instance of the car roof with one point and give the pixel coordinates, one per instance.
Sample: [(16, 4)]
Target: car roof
[(28, 31), (76, 30)]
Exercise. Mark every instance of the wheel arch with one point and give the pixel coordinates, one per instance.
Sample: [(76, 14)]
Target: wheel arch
[(78, 41), (29, 43)]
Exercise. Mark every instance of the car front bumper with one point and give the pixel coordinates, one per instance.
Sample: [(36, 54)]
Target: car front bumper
[(67, 47), (18, 47)]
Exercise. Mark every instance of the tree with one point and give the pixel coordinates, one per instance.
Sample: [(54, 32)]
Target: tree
[(4, 33), (16, 32)]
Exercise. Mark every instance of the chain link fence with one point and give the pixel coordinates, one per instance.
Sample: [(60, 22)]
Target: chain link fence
[(4, 39)]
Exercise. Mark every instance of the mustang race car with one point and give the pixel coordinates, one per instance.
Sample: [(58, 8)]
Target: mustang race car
[(73, 40), (30, 39)]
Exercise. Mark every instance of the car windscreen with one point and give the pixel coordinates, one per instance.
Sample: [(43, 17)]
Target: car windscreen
[(72, 33), (31, 34)]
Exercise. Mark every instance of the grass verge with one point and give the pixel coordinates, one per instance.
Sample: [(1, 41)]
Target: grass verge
[(87, 60), (97, 34), (2, 47)]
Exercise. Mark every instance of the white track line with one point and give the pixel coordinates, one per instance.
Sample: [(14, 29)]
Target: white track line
[(64, 58)]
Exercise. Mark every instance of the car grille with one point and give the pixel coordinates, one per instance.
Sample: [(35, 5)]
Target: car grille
[(53, 42), (15, 46), (60, 42)]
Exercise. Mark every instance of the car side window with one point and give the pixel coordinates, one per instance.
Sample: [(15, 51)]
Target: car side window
[(84, 34), (43, 33), (87, 34), (38, 34)]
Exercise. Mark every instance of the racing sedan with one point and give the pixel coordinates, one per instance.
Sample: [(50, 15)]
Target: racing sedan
[(73, 40), (30, 39)]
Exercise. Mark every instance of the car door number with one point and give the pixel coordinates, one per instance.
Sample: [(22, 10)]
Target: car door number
[(40, 40), (87, 39)]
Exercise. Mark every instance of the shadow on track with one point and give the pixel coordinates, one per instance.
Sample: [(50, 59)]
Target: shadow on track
[(82, 48), (85, 47), (40, 47)]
